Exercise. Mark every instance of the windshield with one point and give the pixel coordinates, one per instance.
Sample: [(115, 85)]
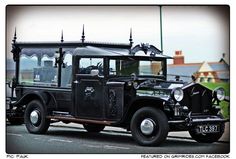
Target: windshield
[(130, 66)]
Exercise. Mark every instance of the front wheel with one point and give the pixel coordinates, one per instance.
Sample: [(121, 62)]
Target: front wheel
[(149, 126), (35, 118), (207, 138)]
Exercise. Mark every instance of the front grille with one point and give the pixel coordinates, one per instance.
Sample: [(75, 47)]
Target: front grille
[(198, 99), (195, 100)]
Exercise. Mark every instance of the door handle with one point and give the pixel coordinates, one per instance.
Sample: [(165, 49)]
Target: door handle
[(75, 82)]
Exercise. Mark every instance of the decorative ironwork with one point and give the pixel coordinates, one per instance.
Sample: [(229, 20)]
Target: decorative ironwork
[(83, 36), (131, 38), (146, 48), (14, 38), (112, 103), (59, 58), (62, 40), (15, 49)]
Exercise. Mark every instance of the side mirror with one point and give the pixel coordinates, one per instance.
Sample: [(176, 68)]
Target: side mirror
[(193, 78), (12, 83), (9, 84)]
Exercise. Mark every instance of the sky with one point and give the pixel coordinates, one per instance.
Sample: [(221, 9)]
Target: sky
[(201, 32)]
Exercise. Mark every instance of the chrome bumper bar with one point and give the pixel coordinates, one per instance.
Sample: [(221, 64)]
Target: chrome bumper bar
[(189, 120), (197, 121)]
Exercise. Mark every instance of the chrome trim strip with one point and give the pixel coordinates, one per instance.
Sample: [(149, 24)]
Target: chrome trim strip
[(78, 120), (176, 121), (208, 120), (198, 121), (46, 88)]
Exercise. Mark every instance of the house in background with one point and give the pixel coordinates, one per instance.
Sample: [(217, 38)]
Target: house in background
[(203, 72)]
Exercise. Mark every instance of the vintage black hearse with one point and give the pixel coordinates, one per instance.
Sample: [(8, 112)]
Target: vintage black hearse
[(105, 84)]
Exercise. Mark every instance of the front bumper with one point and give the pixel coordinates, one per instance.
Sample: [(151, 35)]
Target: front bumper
[(200, 119)]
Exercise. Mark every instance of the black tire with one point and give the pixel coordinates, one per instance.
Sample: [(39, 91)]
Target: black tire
[(93, 127), (207, 138), (160, 126), (42, 124), (15, 121)]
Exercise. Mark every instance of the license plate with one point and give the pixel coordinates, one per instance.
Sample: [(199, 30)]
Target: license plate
[(208, 128)]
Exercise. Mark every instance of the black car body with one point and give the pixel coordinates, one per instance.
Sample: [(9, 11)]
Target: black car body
[(111, 85)]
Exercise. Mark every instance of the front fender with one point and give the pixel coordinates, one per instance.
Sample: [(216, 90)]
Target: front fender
[(140, 102)]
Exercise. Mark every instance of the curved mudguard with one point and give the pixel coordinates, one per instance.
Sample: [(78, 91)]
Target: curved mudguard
[(142, 102), (44, 97)]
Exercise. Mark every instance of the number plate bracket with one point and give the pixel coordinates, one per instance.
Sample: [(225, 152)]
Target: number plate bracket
[(209, 128)]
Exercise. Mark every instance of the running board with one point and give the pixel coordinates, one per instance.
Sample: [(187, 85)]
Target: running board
[(81, 121), (59, 113)]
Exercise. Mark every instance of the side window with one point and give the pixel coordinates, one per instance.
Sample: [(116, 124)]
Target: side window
[(123, 67), (27, 68), (66, 74), (91, 66), (38, 70), (112, 67)]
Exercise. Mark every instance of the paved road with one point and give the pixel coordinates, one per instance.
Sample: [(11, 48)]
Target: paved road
[(72, 138)]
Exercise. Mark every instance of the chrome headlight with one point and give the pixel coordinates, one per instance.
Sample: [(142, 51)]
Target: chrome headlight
[(178, 94), (219, 93)]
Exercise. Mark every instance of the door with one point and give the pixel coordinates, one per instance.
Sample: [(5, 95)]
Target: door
[(89, 90)]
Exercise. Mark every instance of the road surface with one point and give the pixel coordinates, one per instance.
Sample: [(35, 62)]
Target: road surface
[(72, 138)]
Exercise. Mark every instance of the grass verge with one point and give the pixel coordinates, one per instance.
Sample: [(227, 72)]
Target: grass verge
[(224, 105)]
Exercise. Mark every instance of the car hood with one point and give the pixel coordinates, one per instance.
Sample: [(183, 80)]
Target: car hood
[(158, 89)]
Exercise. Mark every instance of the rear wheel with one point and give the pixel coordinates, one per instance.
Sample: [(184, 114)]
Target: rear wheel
[(207, 138), (149, 126), (93, 127), (35, 118)]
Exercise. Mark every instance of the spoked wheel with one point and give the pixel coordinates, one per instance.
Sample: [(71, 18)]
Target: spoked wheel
[(207, 138), (35, 118), (93, 127), (149, 126)]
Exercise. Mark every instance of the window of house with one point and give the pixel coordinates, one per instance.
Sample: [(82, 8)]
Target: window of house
[(209, 79), (202, 79)]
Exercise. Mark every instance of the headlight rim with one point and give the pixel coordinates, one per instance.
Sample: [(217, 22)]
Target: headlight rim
[(215, 93), (173, 94), (135, 84)]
